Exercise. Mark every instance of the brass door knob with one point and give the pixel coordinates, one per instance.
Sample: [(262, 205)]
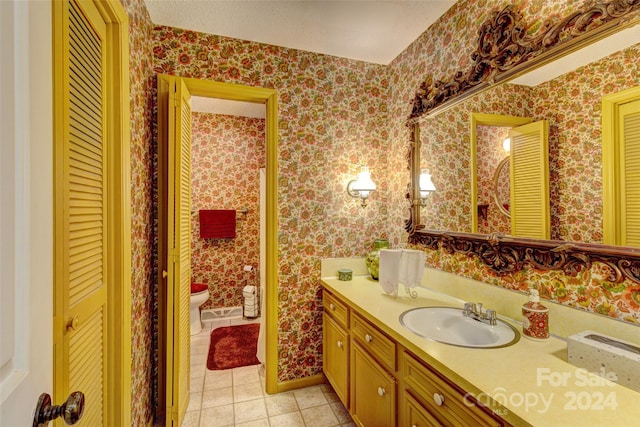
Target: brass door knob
[(73, 323), (70, 411)]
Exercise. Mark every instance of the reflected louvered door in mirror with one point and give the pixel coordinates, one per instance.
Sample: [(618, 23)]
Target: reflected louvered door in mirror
[(621, 167), (529, 172), (630, 136), (80, 330)]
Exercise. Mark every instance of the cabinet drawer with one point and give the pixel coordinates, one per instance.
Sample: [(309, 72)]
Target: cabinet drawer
[(338, 310), (441, 399), (375, 342)]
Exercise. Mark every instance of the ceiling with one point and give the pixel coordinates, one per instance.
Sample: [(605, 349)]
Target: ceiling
[(367, 30)]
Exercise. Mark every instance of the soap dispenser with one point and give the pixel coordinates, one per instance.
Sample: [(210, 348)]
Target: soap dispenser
[(535, 318)]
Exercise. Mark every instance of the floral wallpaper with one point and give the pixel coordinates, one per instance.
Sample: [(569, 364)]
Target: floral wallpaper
[(574, 141), (142, 248), (332, 119), (227, 154)]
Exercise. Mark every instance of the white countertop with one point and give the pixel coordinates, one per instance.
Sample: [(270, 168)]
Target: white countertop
[(530, 379)]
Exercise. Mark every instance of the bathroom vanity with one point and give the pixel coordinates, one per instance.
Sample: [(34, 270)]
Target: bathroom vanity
[(388, 376)]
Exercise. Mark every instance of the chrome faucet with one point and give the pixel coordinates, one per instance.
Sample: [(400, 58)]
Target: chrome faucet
[(474, 311)]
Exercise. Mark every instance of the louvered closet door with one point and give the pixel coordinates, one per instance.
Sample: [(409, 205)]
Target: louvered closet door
[(529, 174), (629, 178), (179, 248), (81, 348), (183, 243)]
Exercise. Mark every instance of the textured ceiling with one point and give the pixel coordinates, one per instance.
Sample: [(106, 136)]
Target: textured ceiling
[(372, 31)]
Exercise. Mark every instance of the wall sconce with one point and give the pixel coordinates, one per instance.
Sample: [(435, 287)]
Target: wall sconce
[(426, 186), (361, 187)]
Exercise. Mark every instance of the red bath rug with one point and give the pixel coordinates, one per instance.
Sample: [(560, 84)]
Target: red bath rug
[(233, 346)]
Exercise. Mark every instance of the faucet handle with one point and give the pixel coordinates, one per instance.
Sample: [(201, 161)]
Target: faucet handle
[(468, 308), (490, 315)]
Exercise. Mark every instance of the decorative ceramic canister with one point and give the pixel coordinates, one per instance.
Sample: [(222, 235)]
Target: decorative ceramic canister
[(535, 318), (345, 274), (373, 258)]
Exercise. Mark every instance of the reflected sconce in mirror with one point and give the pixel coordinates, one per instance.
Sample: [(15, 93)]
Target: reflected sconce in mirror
[(506, 145), (426, 186), (361, 187)]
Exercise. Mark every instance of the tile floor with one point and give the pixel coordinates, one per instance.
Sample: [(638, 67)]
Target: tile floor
[(236, 397)]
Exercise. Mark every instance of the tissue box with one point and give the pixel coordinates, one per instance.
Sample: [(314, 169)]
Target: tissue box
[(609, 357)]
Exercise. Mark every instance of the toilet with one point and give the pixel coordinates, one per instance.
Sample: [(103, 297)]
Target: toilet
[(199, 295)]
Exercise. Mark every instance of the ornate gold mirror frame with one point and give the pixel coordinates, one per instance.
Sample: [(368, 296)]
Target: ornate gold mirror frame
[(506, 50)]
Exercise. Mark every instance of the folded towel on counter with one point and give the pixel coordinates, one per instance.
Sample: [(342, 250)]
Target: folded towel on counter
[(218, 224), (389, 275), (411, 267), (400, 267)]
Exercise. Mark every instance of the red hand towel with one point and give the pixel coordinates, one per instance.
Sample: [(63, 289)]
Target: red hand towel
[(217, 224)]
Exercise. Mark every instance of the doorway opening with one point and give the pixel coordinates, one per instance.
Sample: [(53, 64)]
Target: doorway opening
[(170, 292)]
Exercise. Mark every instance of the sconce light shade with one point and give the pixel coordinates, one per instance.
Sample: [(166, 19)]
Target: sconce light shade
[(506, 144), (363, 186), (426, 186)]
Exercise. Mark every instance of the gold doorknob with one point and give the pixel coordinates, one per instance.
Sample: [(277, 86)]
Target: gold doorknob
[(73, 323)]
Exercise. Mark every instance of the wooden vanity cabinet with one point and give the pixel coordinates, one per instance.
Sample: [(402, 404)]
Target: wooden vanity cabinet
[(382, 383)]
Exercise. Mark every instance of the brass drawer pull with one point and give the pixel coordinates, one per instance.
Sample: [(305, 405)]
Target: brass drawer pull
[(332, 306), (340, 344), (381, 391), (368, 338)]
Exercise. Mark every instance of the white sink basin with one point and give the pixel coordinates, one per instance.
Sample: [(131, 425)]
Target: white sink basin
[(448, 325)]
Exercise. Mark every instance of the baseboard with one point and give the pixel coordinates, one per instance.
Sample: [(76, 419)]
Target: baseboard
[(300, 383)]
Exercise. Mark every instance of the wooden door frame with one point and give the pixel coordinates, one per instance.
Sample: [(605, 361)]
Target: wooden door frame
[(234, 92), (118, 332)]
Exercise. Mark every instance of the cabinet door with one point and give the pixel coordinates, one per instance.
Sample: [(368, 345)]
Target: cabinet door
[(335, 343), (373, 391), (414, 414)]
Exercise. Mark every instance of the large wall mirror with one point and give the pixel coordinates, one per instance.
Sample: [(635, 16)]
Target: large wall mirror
[(458, 134)]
